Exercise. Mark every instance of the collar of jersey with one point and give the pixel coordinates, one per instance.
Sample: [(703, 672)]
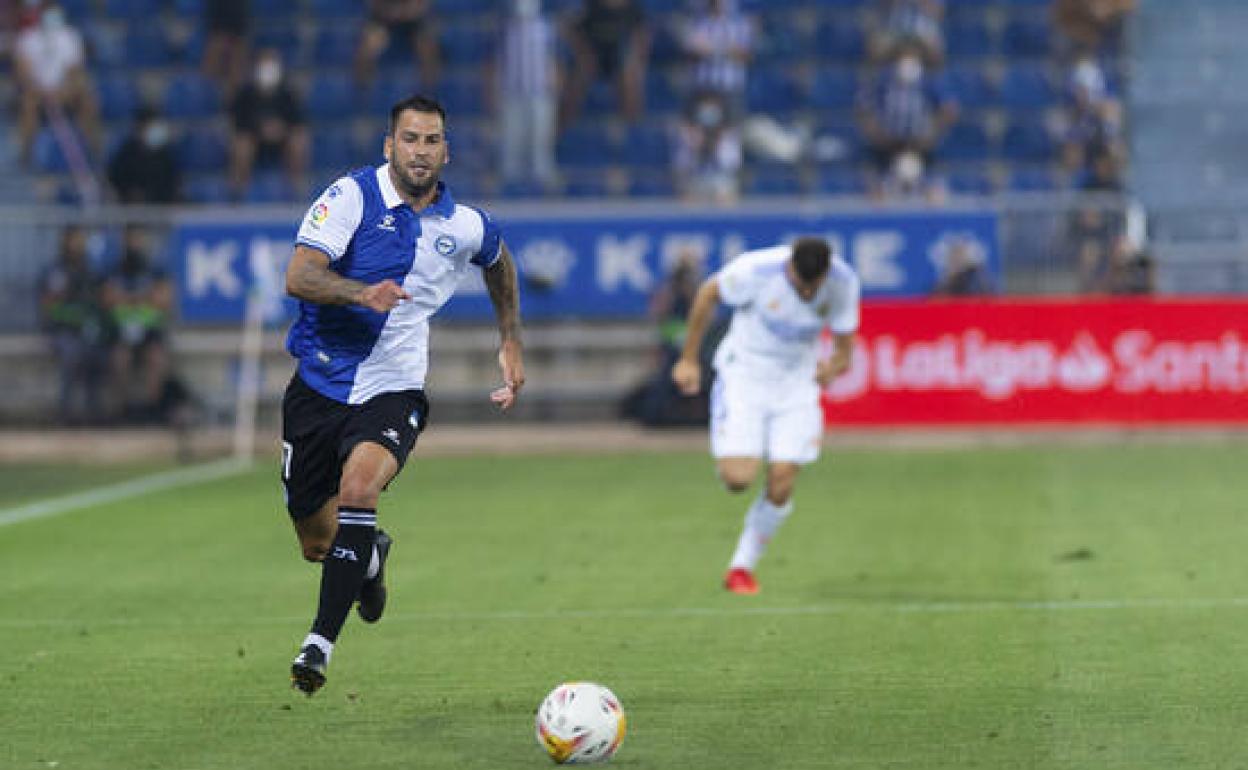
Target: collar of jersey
[(443, 205)]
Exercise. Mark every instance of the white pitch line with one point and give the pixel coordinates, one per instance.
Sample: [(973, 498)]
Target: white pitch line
[(904, 608), (123, 491)]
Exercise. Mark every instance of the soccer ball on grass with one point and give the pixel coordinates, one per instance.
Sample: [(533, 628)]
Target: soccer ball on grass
[(580, 723)]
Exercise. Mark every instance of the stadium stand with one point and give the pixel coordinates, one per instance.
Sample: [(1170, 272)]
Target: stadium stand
[(1003, 65)]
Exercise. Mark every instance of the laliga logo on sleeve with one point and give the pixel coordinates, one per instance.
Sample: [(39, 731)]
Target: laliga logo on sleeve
[(320, 213)]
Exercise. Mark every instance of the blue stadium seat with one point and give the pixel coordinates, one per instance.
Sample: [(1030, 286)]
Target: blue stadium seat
[(336, 151), (268, 187), (651, 183), (140, 11), (772, 90), (521, 189), (970, 179), (1032, 179), (283, 38), (118, 96), (665, 48), (1027, 37), (1027, 86), (47, 155), (587, 183), (335, 10), (647, 144), (661, 95), (834, 89), (146, 47), (468, 44), (966, 141), (584, 144), (191, 95), (970, 86), (203, 149), (1028, 140), (188, 8), (331, 94), (336, 39), (273, 10), (784, 38), (206, 188), (77, 11), (773, 180), (840, 179), (842, 38), (967, 38), (462, 95)]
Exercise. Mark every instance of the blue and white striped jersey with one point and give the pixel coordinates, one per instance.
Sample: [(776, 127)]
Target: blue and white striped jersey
[(351, 353)]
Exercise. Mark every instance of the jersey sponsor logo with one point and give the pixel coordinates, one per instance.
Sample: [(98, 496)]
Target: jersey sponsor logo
[(391, 434), (342, 553), (445, 245), (320, 212), (413, 419), (386, 223)]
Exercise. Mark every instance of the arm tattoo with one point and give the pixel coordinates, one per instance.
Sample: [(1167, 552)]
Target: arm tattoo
[(500, 279), (317, 283)]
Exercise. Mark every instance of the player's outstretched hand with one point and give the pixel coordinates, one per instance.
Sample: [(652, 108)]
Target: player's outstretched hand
[(688, 377), (383, 296), (830, 368), (511, 362)]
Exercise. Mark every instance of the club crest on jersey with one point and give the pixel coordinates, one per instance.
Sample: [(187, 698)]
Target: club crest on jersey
[(445, 245), (386, 223)]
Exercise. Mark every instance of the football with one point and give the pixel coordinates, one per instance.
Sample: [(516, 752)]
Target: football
[(580, 723)]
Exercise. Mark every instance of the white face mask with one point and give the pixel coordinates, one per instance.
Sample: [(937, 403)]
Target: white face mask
[(268, 73), (909, 70), (156, 134), (527, 9), (53, 18)]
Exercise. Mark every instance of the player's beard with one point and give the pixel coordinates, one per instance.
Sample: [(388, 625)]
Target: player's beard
[(415, 187)]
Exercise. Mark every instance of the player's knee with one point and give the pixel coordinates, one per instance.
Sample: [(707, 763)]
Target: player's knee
[(735, 481), (315, 552), (356, 493)]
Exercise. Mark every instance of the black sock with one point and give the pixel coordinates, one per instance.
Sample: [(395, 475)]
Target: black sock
[(342, 572)]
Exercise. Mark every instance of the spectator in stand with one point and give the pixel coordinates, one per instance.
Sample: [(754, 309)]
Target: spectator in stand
[(1105, 168), (269, 126), (50, 68), (145, 168), (610, 40), (1091, 24), (916, 24), (226, 26), (139, 298), (708, 154), (527, 77), (410, 21), (720, 42), (903, 117), (1093, 116), (962, 271), (73, 317), (1131, 268)]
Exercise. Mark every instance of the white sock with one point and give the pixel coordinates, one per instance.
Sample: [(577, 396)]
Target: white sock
[(326, 646), (374, 565), (761, 522)]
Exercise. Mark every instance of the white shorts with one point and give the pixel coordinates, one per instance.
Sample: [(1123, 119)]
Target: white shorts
[(776, 421)]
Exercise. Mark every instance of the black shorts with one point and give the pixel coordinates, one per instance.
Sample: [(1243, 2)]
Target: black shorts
[(318, 434)]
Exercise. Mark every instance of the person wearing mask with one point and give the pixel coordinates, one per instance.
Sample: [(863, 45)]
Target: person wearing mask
[(269, 126), (73, 317), (145, 168)]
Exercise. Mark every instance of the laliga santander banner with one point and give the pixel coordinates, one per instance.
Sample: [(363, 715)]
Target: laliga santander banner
[(1098, 361)]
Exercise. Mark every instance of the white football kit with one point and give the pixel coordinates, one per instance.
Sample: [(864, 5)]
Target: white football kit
[(765, 401)]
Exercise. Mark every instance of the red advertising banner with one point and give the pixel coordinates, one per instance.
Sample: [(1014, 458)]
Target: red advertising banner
[(1142, 361)]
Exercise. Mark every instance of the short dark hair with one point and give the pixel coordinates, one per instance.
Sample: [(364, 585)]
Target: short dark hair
[(811, 258), (419, 103)]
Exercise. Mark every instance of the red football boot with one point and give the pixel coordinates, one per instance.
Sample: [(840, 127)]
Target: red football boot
[(741, 581)]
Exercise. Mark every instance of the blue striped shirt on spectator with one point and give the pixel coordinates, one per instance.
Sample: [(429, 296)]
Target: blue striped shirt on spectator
[(717, 41), (527, 55)]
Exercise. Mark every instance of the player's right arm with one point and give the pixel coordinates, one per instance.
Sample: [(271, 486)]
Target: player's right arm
[(327, 230), (309, 278), (687, 371)]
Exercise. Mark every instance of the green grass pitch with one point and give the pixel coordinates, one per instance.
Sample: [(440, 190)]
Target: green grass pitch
[(1055, 607)]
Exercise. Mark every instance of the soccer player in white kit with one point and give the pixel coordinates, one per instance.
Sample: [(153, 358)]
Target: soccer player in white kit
[(768, 376)]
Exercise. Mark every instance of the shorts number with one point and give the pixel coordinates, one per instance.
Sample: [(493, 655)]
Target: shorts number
[(288, 452)]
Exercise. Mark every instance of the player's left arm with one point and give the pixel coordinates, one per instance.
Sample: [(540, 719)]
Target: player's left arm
[(500, 280)]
